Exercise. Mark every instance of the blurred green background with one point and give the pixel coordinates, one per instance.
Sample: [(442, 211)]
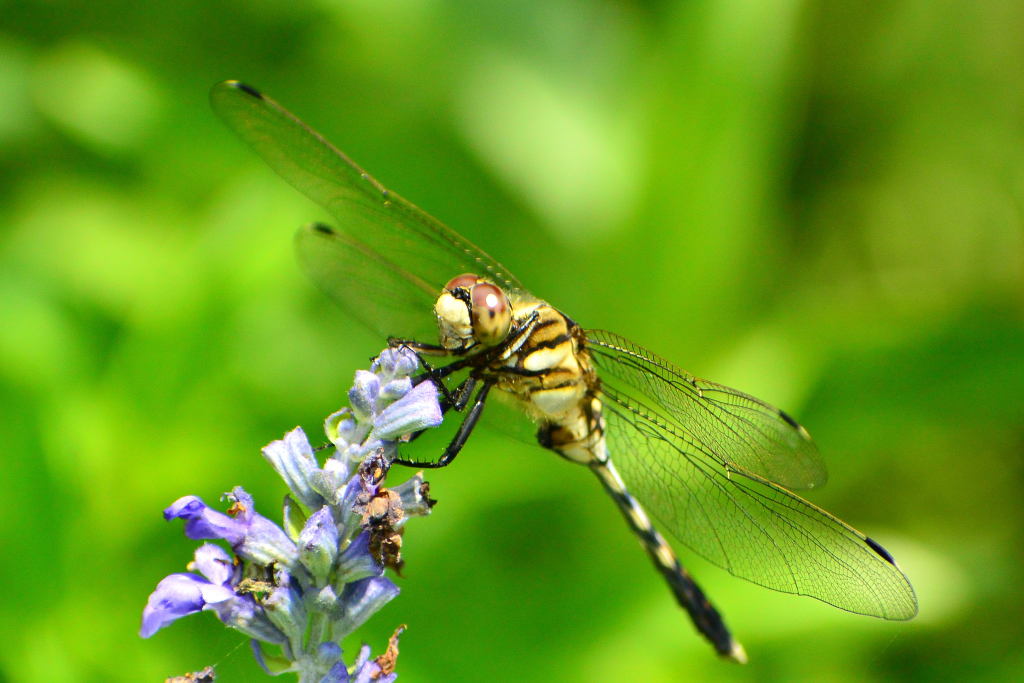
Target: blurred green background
[(820, 203)]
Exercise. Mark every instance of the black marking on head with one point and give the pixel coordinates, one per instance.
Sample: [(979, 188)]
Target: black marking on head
[(882, 552), (790, 421), (248, 90), (325, 229), (463, 295)]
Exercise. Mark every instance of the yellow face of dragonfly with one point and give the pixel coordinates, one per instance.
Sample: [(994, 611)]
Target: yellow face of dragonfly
[(471, 312)]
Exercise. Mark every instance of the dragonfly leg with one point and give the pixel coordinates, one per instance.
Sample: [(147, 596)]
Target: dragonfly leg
[(688, 594), (463, 393), (419, 347), (457, 400), (461, 436)]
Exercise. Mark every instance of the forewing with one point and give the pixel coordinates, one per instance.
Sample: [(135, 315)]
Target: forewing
[(376, 292), (752, 528), (724, 425), (371, 219)]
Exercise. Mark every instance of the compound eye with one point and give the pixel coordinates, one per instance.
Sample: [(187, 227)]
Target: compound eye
[(464, 281), (492, 315)]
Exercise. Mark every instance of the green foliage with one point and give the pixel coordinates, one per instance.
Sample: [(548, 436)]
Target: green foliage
[(818, 203)]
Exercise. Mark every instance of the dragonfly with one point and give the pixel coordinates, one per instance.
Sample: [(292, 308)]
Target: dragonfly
[(716, 467)]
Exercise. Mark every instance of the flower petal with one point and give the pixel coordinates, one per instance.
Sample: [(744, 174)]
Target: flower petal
[(330, 481), (337, 674), (344, 516), (328, 652), (394, 390), (266, 543), (202, 522), (419, 409), (362, 599), (179, 595), (214, 563), (338, 426)]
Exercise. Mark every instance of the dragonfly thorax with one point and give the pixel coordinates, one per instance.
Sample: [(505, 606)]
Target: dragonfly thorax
[(472, 312)]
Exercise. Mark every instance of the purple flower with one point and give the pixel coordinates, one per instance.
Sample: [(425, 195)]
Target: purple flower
[(318, 544), (179, 595), (202, 522), (416, 410), (362, 599), (367, 670), (251, 535), (392, 363), (306, 588), (364, 670), (357, 562)]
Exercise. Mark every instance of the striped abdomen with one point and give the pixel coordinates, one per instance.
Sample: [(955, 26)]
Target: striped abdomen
[(689, 595), (550, 374)]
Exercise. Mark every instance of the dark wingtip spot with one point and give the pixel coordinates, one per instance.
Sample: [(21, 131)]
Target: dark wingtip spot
[(882, 552), (790, 421), (325, 229), (795, 425), (247, 89)]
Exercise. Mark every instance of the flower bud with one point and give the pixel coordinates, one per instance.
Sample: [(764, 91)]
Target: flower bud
[(357, 562), (318, 544), (293, 459), (285, 609), (363, 395)]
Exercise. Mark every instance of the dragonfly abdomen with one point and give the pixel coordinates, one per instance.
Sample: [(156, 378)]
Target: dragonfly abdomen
[(580, 437), (688, 594)]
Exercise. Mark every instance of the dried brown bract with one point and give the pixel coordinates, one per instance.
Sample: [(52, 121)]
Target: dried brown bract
[(208, 676), (381, 513), (387, 661)]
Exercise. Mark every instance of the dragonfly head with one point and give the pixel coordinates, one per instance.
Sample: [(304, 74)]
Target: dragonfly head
[(472, 311)]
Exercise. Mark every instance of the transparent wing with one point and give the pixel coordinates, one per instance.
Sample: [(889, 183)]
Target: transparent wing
[(376, 292), (380, 239), (721, 424), (754, 529)]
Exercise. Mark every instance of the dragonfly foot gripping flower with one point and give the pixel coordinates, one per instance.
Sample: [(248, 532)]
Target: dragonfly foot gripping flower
[(302, 587)]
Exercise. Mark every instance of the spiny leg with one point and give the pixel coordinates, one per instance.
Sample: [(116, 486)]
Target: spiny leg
[(461, 436), (456, 400), (419, 347), (689, 595)]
